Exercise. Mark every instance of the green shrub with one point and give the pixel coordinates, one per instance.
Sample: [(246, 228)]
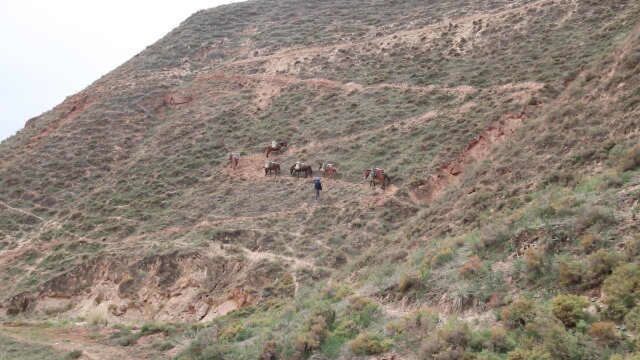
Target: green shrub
[(442, 257), (590, 273), (311, 340), (213, 352), (635, 356), (600, 265), (493, 236), (124, 337), (632, 319), (154, 328), (317, 330), (450, 342), (604, 332), (631, 159), (369, 344), (569, 309), (362, 311), (589, 242), (622, 290), (535, 262), (347, 329), (431, 346), (75, 354), (269, 351), (570, 272), (235, 332), (518, 313), (456, 334), (632, 247), (533, 354), (127, 340), (337, 292), (164, 345), (471, 268), (611, 181), (408, 282), (594, 217), (495, 339), (555, 339), (425, 320)]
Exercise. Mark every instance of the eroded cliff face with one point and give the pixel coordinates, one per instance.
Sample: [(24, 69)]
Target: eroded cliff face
[(186, 287)]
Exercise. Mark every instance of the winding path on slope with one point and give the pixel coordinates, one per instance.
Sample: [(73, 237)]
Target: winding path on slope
[(71, 339)]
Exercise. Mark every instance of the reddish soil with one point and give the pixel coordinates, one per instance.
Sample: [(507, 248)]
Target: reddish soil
[(477, 150)]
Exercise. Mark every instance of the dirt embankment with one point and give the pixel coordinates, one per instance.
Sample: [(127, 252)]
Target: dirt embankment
[(188, 287)]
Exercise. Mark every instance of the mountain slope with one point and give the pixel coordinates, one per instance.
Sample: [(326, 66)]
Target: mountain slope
[(509, 130)]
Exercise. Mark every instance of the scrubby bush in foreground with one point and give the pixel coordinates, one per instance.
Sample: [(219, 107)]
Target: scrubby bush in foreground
[(622, 290), (570, 309), (369, 344)]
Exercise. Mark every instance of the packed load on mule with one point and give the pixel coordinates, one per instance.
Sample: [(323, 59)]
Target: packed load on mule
[(317, 185), (377, 176), (234, 160), (300, 167), (271, 166), (276, 147), (328, 169)]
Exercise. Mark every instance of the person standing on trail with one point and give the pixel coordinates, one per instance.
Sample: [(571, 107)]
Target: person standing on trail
[(317, 185)]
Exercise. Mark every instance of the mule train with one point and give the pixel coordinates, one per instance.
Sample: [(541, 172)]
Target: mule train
[(271, 167), (378, 176), (328, 169), (276, 147), (375, 175), (300, 167)]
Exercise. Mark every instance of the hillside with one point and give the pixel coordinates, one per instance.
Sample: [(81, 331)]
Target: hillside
[(509, 129)]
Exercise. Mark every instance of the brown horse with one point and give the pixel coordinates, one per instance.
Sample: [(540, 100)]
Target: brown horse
[(330, 170), (234, 160), (300, 167), (281, 146), (378, 176), (271, 166)]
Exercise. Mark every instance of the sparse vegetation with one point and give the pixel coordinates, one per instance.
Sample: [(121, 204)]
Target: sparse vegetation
[(11, 349)]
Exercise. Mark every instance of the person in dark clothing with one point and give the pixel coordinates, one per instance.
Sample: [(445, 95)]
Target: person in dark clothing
[(317, 184)]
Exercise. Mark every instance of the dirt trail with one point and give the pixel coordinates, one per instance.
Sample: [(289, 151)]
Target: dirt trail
[(250, 167), (404, 125), (70, 339), (570, 13), (298, 263), (11, 254), (269, 86), (2, 203), (396, 310), (285, 58)]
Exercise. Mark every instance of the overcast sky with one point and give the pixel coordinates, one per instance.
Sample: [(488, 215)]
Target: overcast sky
[(51, 49)]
